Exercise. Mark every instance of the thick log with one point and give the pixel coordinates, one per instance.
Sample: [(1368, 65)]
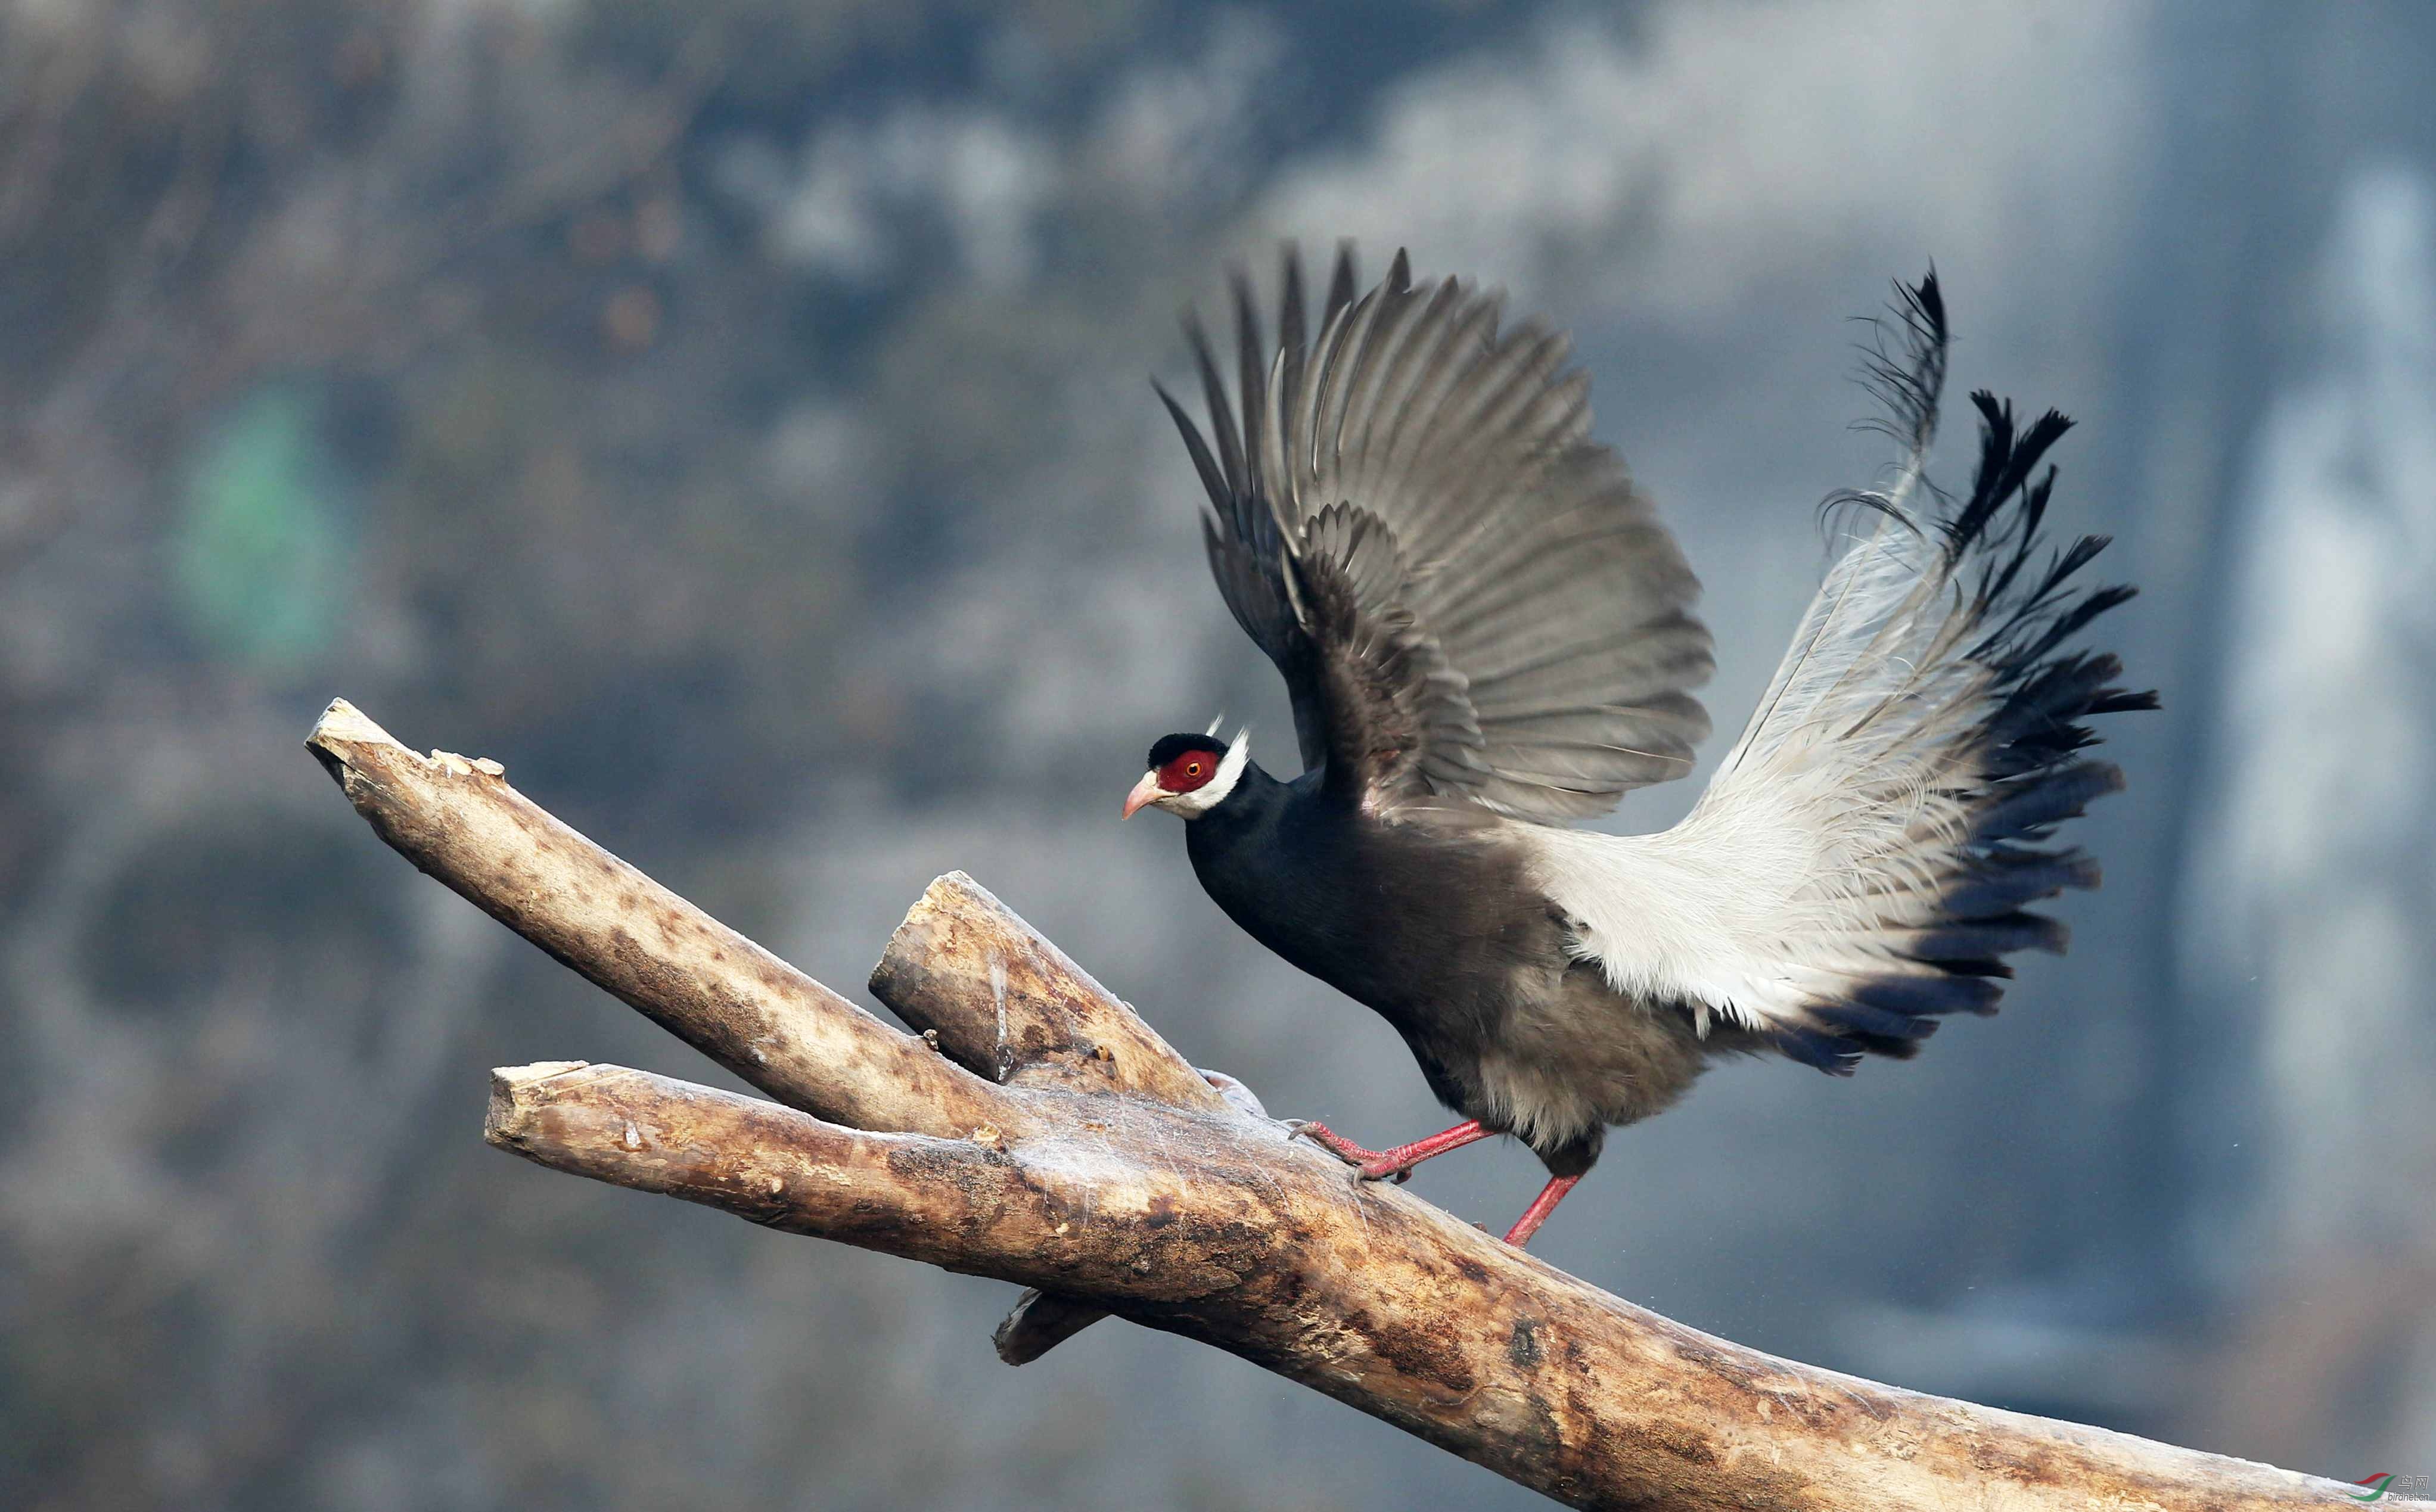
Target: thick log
[(1201, 1217), (1219, 1230)]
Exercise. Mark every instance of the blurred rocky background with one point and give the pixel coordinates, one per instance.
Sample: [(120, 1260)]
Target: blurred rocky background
[(733, 417)]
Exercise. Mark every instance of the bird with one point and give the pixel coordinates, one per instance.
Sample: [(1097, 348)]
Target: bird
[(1488, 634)]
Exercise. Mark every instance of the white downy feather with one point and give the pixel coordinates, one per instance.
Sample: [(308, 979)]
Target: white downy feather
[(1818, 848)]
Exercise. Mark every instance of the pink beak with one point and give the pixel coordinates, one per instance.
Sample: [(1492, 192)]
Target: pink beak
[(1146, 791)]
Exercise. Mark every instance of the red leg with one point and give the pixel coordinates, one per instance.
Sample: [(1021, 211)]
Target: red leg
[(1541, 1206), (1398, 1162)]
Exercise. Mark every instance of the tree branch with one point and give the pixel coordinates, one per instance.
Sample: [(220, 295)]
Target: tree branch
[(1008, 1004), (1123, 1181), (460, 821), (911, 1194)]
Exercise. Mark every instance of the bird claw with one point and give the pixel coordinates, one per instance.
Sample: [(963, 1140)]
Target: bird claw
[(1368, 1165), (1330, 1140), (1326, 1138)]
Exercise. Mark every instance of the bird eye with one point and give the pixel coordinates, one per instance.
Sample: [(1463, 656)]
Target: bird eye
[(1192, 769)]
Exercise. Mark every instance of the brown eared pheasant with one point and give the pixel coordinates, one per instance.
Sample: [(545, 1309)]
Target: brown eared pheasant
[(1488, 634)]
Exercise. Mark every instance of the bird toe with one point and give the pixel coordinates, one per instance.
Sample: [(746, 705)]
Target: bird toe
[(1331, 1141)]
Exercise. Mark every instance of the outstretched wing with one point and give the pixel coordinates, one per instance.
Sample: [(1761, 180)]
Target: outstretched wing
[(1862, 860), (1466, 595)]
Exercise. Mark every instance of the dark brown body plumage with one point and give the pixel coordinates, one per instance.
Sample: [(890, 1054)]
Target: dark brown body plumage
[(1432, 922)]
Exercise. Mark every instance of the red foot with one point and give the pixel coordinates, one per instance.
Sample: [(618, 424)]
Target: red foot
[(1333, 1142), (1541, 1206), (1375, 1165)]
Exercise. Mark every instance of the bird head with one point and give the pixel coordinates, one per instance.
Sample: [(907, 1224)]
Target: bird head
[(1191, 774)]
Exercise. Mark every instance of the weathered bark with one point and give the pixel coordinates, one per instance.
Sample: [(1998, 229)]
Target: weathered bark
[(1008, 1004), (1090, 1162), (460, 821)]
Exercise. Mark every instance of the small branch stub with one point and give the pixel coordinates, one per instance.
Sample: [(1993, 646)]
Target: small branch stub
[(1040, 1322)]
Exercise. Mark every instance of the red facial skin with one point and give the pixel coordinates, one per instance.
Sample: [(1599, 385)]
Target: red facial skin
[(1192, 770)]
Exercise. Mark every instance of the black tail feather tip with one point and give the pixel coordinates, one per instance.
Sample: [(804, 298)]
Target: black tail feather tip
[(2028, 605)]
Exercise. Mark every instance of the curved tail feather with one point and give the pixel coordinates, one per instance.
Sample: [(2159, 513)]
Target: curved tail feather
[(1863, 860)]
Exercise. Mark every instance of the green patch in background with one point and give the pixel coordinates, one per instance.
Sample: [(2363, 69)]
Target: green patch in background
[(259, 549)]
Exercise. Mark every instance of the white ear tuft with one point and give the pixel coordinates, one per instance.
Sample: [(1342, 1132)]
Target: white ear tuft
[(1221, 782), (1212, 730)]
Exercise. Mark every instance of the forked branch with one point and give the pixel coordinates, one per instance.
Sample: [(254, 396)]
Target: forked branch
[(1042, 1133)]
